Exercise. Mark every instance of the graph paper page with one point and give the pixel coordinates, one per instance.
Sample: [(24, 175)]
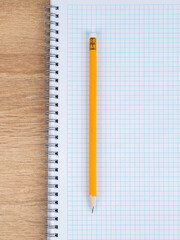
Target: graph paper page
[(138, 119)]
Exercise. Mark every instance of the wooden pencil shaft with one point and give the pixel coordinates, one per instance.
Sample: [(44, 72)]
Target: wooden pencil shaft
[(92, 116)]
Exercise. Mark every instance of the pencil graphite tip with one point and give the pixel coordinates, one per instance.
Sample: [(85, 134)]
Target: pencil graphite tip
[(92, 209)]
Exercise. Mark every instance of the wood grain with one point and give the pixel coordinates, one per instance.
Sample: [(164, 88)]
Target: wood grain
[(22, 151)]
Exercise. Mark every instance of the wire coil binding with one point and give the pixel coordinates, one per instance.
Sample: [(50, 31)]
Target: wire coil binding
[(52, 80)]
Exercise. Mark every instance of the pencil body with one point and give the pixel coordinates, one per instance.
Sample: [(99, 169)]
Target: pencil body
[(92, 119)]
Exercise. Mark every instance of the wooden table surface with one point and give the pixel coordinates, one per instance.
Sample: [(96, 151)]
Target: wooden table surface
[(22, 151)]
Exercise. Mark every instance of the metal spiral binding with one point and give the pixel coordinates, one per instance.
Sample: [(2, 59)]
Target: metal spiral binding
[(52, 120)]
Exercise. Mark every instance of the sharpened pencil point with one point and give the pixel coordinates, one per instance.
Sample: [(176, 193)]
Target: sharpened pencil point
[(92, 200)]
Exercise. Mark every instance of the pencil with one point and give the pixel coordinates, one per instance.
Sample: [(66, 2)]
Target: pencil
[(92, 119)]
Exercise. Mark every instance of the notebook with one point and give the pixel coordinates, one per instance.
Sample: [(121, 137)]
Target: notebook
[(138, 119)]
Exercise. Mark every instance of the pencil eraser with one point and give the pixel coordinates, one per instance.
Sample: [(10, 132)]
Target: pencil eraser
[(92, 35)]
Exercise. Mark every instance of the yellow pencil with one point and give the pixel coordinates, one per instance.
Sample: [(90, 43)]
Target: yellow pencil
[(92, 119)]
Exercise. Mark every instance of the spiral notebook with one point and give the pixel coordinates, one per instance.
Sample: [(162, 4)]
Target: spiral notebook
[(138, 119)]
